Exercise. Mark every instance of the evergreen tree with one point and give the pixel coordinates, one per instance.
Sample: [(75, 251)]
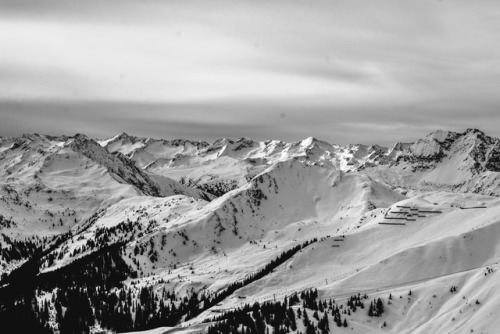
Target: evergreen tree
[(323, 324), (291, 316), (310, 329), (380, 307), (305, 319)]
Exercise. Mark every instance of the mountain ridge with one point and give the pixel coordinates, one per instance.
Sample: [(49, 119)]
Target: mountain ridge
[(171, 233), (253, 156)]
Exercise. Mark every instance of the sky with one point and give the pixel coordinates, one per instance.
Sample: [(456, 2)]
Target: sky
[(345, 71)]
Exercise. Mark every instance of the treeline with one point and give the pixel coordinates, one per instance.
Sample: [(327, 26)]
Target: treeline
[(94, 275), (313, 316), (131, 309), (124, 231), (90, 290), (268, 268), (22, 276), (15, 250)]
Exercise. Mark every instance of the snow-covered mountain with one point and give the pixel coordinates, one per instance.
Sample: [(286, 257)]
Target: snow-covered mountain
[(52, 185), (129, 234), (468, 161), (227, 164)]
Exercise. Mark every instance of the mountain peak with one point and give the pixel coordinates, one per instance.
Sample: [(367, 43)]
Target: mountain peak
[(441, 135), (80, 136), (222, 142), (472, 131), (244, 139), (309, 141), (122, 135)]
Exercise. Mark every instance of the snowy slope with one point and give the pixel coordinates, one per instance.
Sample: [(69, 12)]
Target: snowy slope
[(419, 216), (427, 256), (287, 204), (49, 185), (465, 162)]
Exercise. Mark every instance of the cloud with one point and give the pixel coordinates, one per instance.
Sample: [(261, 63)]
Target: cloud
[(209, 121), (106, 62)]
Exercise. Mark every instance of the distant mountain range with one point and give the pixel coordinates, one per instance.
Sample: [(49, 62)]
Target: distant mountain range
[(129, 234)]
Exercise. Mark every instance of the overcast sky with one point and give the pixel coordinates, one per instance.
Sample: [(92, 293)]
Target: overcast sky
[(343, 71)]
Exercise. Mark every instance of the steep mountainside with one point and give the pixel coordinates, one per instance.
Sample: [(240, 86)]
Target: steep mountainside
[(50, 185), (465, 162)]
